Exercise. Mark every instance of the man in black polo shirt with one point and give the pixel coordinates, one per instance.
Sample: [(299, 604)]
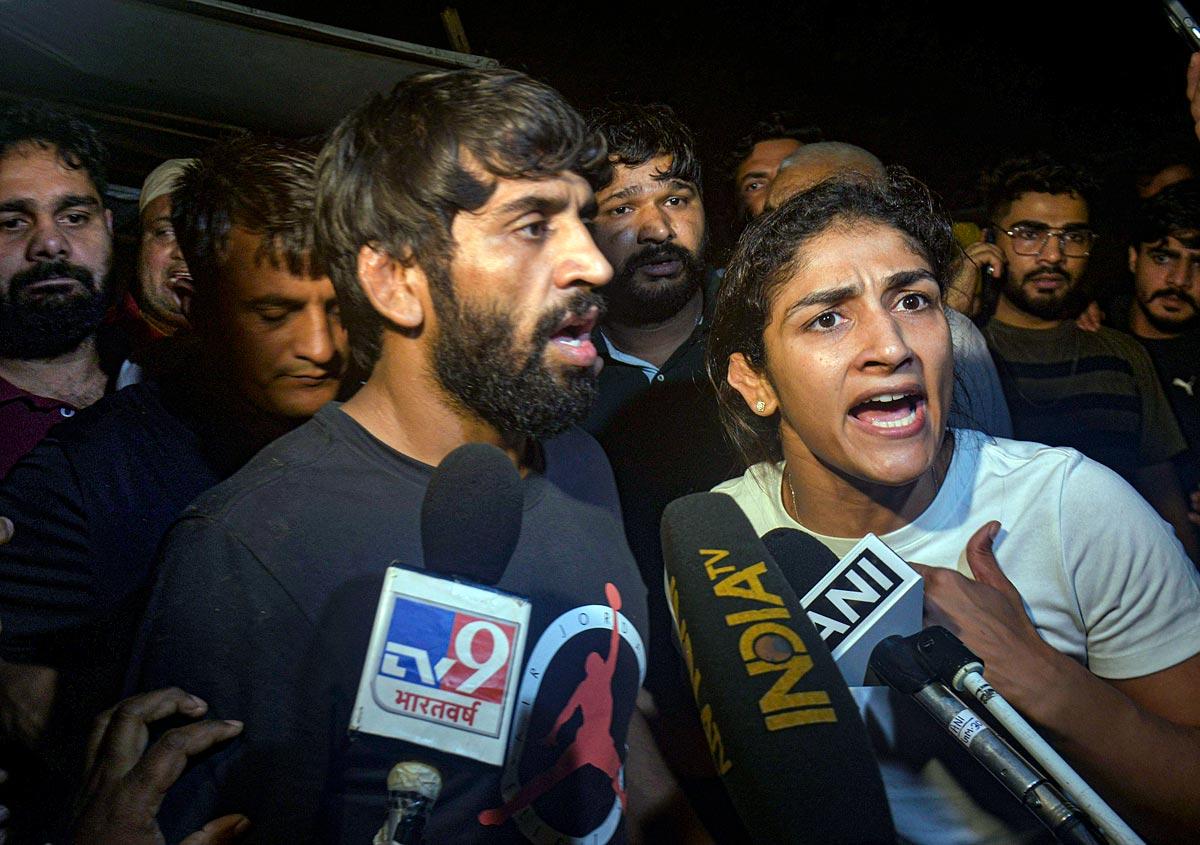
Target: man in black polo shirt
[(656, 414)]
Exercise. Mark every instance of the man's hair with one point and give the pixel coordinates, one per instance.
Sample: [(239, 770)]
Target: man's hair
[(262, 185), (396, 171), (1039, 173), (77, 143), (770, 252), (1172, 212), (635, 134), (777, 125)]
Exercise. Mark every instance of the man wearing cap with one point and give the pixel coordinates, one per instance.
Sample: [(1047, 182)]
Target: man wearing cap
[(162, 282)]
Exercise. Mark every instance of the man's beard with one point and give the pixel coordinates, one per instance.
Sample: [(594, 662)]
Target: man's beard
[(1171, 325), (480, 363), (633, 302), (37, 326), (1061, 306)]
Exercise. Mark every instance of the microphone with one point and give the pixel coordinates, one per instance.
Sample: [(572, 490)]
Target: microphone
[(444, 659), (413, 788), (945, 657), (782, 728), (895, 661), (855, 602), (471, 514)]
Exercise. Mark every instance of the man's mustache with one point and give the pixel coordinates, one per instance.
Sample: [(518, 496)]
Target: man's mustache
[(1175, 294), (657, 254), (1042, 272), (48, 270)]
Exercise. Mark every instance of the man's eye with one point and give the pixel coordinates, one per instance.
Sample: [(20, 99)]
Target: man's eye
[(75, 218), (165, 233), (751, 187), (535, 230), (827, 320), (1159, 258), (12, 224), (619, 211), (676, 202)]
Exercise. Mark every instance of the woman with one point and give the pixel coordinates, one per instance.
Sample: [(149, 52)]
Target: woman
[(831, 356)]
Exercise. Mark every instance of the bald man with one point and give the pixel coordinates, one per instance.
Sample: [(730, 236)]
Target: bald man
[(815, 163)]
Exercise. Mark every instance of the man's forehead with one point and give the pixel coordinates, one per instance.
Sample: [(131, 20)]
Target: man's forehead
[(640, 178), (1180, 240), (562, 186), (766, 155), (1051, 209), (29, 170)]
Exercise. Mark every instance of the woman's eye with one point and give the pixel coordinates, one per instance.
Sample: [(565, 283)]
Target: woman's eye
[(913, 301)]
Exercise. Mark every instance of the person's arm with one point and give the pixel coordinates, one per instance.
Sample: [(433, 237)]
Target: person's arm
[(1193, 89), (1136, 741), (1159, 486)]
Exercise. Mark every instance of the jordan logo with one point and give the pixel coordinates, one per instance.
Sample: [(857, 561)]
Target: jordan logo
[(1188, 385), (593, 742)]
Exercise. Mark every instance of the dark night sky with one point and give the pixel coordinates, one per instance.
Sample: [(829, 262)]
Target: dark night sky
[(932, 86)]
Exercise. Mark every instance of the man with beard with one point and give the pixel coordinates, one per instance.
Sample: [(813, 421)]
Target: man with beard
[(451, 213), (92, 501), (1092, 391), (1164, 310), (55, 256), (656, 415)]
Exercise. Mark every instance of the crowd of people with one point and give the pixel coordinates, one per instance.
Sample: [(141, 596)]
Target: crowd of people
[(204, 480)]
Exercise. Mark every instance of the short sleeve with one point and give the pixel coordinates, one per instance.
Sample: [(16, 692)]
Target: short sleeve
[(1138, 594)]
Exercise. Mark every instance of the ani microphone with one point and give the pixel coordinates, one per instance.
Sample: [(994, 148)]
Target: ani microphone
[(782, 727)]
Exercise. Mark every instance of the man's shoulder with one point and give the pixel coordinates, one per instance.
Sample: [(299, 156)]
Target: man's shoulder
[(1115, 342)]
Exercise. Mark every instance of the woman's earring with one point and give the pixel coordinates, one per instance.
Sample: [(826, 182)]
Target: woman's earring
[(760, 406)]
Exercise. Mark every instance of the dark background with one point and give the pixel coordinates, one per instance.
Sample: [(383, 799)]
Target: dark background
[(943, 89)]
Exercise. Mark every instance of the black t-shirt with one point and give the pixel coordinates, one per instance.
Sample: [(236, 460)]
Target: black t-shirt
[(264, 609), (90, 504), (1177, 362)]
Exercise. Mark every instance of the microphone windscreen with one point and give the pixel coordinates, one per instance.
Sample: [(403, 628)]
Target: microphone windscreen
[(782, 727), (803, 559), (471, 514)]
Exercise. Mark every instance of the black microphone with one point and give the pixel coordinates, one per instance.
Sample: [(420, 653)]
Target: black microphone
[(895, 660), (782, 727), (471, 514), (443, 662), (855, 602)]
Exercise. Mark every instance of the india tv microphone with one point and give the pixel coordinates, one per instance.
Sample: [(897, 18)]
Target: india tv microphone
[(782, 727), (870, 594), (444, 659)]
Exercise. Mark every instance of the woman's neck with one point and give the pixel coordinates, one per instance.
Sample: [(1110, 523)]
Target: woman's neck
[(829, 502)]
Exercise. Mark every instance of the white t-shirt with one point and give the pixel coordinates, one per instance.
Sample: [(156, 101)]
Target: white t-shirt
[(1102, 576)]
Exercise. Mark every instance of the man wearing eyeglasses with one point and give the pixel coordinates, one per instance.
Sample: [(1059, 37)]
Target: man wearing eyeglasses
[(1093, 391)]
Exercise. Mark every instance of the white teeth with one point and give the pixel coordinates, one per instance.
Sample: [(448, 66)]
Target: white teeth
[(908, 419), (888, 397), (576, 341)]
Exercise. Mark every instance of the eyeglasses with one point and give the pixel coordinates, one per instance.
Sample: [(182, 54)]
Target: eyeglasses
[(1028, 239)]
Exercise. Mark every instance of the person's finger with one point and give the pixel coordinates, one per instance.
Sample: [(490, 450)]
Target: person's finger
[(219, 831), (6, 529), (1193, 76), (166, 759), (120, 733), (982, 559)]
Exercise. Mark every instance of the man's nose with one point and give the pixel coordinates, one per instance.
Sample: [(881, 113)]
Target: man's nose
[(655, 226), (47, 242)]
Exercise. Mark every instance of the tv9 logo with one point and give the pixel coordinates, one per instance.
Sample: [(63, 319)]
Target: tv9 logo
[(445, 649)]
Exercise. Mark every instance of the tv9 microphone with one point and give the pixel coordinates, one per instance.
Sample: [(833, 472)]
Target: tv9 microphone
[(855, 602), (783, 729), (444, 658)]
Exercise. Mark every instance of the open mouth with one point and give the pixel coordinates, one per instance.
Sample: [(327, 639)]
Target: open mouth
[(896, 411), (573, 337), (662, 269)]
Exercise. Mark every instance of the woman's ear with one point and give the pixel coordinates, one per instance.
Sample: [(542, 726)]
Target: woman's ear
[(754, 387), (395, 289)]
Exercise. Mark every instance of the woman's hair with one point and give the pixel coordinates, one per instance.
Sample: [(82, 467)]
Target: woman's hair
[(771, 251)]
